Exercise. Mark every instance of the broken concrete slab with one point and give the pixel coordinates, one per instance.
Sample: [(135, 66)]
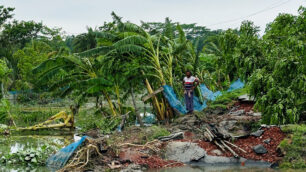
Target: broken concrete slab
[(184, 152), (260, 149)]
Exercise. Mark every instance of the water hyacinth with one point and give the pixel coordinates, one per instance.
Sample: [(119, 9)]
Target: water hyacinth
[(32, 157)]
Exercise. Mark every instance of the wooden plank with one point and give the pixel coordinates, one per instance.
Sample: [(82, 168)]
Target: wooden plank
[(147, 97)]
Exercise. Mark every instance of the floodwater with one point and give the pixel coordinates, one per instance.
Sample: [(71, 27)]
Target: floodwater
[(199, 167), (12, 144)]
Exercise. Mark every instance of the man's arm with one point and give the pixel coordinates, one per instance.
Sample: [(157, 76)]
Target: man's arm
[(197, 82)]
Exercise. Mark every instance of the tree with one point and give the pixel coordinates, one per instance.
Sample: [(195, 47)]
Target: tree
[(84, 41), (79, 76), (5, 13), (249, 52), (14, 36), (27, 58), (223, 47), (279, 87), (4, 77)]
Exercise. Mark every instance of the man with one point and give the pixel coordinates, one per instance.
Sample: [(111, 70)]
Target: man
[(189, 83)]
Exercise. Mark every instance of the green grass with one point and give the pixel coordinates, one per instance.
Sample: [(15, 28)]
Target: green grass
[(294, 147), (157, 131)]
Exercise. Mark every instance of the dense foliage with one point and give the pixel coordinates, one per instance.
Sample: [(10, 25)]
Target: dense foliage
[(120, 60)]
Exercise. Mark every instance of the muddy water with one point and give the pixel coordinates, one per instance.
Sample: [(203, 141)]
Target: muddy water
[(12, 144), (216, 169), (233, 167)]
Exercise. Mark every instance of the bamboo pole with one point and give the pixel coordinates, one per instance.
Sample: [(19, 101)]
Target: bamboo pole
[(235, 146), (231, 150), (155, 101)]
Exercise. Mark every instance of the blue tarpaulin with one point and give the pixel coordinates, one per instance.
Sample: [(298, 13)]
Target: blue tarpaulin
[(198, 106), (208, 94), (61, 157), (236, 85)]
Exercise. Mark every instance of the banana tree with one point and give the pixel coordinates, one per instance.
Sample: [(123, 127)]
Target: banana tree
[(78, 75), (130, 42)]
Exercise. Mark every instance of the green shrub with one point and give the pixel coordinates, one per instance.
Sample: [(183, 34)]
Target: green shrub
[(87, 120)]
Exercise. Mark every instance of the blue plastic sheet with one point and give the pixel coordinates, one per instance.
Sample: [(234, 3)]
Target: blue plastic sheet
[(198, 106), (173, 100), (147, 120), (236, 85), (60, 159), (208, 94)]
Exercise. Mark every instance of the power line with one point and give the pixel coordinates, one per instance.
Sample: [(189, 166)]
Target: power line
[(274, 5)]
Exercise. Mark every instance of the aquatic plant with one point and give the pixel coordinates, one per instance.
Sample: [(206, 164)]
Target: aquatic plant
[(33, 156)]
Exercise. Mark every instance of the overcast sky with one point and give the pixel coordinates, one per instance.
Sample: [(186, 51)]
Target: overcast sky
[(75, 15)]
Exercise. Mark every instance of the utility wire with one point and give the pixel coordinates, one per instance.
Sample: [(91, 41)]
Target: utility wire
[(277, 4)]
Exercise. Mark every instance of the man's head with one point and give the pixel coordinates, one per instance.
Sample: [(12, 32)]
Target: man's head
[(188, 73)]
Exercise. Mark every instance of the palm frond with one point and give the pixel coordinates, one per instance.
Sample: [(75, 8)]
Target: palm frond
[(95, 51), (135, 40), (182, 36), (131, 49), (106, 35), (130, 27)]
